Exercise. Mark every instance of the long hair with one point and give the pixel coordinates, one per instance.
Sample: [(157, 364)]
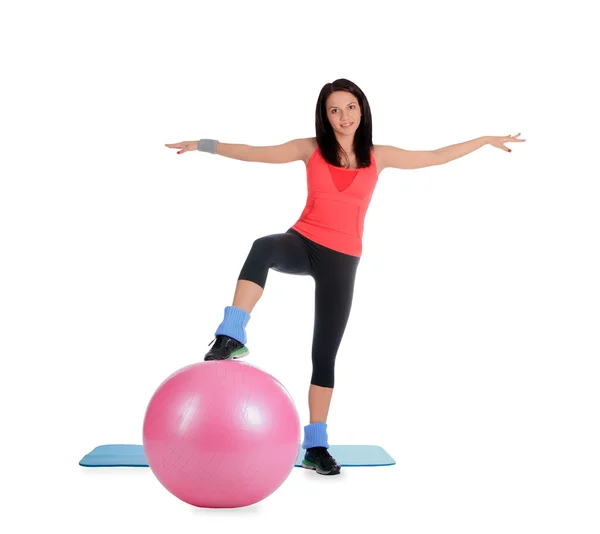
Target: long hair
[(363, 137)]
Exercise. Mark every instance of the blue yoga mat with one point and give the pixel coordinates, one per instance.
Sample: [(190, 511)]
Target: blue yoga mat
[(133, 456)]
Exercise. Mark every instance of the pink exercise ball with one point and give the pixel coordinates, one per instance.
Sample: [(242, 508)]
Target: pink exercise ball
[(221, 434)]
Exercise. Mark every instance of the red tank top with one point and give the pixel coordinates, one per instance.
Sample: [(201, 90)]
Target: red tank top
[(336, 204)]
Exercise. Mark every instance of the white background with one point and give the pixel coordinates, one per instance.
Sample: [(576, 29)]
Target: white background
[(471, 354)]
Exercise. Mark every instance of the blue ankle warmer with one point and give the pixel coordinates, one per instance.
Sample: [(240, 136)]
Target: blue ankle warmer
[(315, 435), (234, 324)]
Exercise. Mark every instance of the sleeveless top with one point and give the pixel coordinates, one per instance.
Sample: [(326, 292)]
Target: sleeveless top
[(336, 204)]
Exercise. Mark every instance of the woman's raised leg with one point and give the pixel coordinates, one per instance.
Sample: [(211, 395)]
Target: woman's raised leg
[(282, 252), (246, 295)]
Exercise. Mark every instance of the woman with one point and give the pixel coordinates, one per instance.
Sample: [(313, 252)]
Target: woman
[(342, 166)]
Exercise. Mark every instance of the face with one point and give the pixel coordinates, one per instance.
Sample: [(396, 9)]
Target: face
[(343, 112)]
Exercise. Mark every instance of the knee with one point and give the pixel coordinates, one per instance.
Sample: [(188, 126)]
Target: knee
[(262, 243), (261, 248), (257, 262)]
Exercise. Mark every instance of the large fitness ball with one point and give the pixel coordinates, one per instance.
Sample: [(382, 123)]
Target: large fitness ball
[(221, 434)]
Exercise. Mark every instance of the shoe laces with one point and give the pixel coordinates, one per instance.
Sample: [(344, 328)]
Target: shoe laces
[(221, 341)]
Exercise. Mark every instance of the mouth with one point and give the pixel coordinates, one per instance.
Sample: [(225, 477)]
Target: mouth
[(347, 124)]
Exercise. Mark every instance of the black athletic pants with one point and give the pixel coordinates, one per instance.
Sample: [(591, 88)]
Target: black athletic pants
[(334, 274)]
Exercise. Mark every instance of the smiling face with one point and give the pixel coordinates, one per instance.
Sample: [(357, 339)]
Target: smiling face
[(343, 112)]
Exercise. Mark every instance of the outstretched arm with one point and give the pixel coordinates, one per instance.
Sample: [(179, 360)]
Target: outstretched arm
[(452, 152), (398, 158), (294, 150)]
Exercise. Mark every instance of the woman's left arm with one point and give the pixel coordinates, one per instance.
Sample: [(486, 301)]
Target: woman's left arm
[(398, 158), (452, 152)]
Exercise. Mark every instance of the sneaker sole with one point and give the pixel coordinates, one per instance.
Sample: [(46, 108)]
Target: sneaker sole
[(313, 467), (235, 356), (232, 356)]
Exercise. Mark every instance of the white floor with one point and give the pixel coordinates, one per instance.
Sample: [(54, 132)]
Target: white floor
[(427, 491)]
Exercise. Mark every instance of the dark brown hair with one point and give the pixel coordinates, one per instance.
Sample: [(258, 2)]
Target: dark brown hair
[(363, 137)]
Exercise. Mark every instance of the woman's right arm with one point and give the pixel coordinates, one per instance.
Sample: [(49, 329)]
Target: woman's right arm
[(295, 150)]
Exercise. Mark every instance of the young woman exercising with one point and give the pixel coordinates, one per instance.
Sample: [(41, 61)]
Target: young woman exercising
[(342, 167)]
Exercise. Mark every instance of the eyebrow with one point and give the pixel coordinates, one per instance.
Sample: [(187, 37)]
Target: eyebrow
[(353, 102)]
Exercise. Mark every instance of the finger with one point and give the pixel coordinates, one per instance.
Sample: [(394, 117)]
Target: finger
[(177, 145)]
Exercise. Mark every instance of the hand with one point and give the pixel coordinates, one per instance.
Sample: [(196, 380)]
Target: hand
[(498, 141), (185, 146)]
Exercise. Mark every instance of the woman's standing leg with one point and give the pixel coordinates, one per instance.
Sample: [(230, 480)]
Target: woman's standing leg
[(281, 252), (335, 275)]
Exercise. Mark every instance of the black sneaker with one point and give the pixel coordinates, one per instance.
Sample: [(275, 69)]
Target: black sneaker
[(319, 459), (226, 348)]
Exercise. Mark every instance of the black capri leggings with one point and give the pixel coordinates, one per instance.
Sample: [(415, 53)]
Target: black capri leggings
[(334, 274)]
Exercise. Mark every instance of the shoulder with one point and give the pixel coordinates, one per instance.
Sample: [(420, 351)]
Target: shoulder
[(308, 146)]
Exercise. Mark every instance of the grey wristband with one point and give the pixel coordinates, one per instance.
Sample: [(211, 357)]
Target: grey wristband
[(208, 145)]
